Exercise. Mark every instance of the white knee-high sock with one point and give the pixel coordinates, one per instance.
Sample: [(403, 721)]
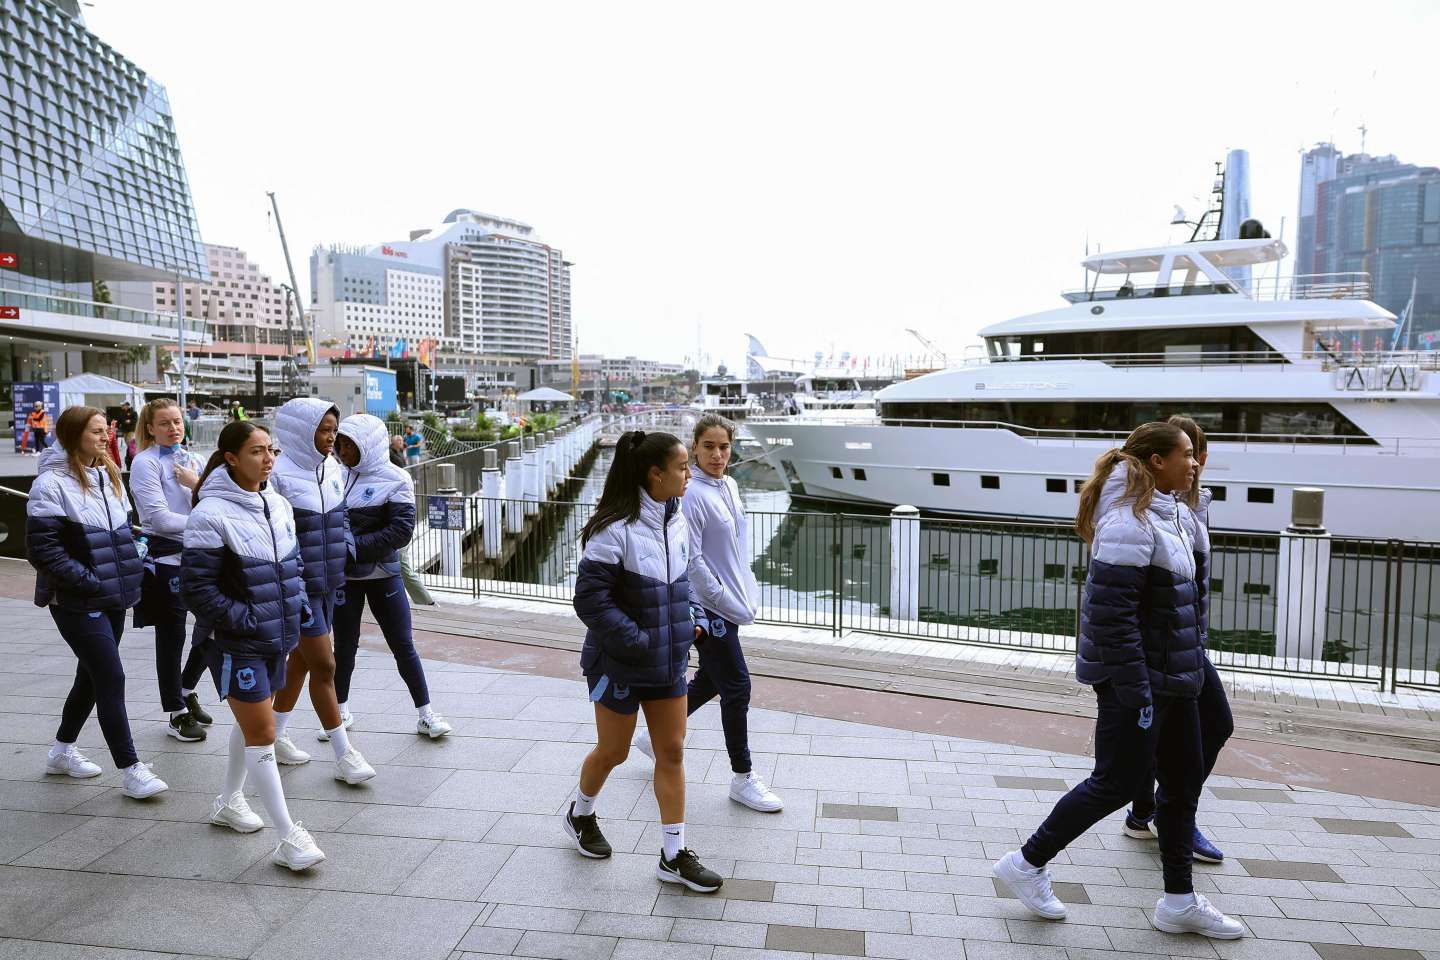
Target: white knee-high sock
[(235, 769), (265, 774)]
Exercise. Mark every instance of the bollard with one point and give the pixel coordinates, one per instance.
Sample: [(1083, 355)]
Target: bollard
[(1302, 579), (546, 442), (531, 477), (490, 513), (452, 542), (514, 488), (905, 563)]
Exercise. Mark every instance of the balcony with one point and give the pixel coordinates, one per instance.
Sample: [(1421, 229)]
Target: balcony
[(67, 319)]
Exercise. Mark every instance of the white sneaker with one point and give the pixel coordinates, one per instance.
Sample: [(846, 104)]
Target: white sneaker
[(433, 726), (141, 782), (643, 744), (1200, 917), (72, 763), (1031, 887), (749, 789), (235, 813), (347, 720), (352, 768), (297, 851), (287, 753)]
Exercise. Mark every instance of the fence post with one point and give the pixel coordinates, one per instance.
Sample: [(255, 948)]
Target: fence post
[(835, 581), (1395, 645), (451, 541), (514, 489), (531, 475), (1302, 579), (905, 563), (490, 521)]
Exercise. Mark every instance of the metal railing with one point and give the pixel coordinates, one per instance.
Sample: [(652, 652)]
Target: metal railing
[(1365, 610), (1304, 286), (1232, 361), (73, 306)]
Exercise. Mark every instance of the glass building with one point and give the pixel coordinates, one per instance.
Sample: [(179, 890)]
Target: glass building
[(92, 190)]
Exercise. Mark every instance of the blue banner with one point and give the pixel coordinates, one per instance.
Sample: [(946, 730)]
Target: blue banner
[(24, 396), (380, 393), (445, 513)]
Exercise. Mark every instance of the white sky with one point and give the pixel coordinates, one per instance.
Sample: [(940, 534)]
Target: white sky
[(822, 175)]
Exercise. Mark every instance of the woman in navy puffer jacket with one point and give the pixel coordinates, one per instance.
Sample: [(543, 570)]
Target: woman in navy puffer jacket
[(77, 537), (1140, 647), (633, 593)]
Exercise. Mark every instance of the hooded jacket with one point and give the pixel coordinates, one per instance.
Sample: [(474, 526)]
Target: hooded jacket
[(720, 576), (78, 539), (380, 499), (1199, 527), (162, 502), (1141, 614), (314, 486), (242, 568), (633, 595)]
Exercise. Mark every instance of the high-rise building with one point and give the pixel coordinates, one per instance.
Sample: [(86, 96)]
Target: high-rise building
[(92, 191), (1375, 215), (377, 299)]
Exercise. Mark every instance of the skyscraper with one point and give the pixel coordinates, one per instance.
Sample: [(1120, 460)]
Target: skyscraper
[(1379, 216)]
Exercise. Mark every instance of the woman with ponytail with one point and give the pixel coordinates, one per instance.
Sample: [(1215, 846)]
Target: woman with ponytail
[(242, 577), (77, 536), (163, 477), (633, 594), (1216, 720), (1140, 647)]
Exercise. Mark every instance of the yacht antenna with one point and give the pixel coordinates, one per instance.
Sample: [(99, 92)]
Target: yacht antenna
[(1217, 207)]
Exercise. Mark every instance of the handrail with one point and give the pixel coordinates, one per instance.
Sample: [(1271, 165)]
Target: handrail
[(75, 306), (1353, 285), (1273, 360), (14, 493)]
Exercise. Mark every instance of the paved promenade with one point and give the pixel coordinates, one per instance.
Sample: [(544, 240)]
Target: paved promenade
[(455, 849)]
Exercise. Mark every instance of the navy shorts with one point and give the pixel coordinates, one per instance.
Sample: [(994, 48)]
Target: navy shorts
[(322, 615), (247, 679), (622, 699)]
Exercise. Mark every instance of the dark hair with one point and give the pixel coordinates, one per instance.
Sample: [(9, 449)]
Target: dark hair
[(1196, 433), (710, 421), (1145, 441), (635, 454), (232, 438)]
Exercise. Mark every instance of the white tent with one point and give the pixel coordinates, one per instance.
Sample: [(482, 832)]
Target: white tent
[(545, 394), (91, 389)]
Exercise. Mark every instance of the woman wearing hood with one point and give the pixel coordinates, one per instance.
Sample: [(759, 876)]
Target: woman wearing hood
[(310, 479), (241, 576), (77, 537), (380, 499), (1140, 648)]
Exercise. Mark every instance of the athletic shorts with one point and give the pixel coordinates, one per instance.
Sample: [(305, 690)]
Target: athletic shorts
[(247, 679), (623, 699), (322, 615)]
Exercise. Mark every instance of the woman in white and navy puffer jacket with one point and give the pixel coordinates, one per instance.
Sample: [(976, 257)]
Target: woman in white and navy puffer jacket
[(77, 537)]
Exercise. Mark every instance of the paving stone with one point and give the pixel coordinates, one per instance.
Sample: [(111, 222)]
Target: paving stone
[(22, 831), (1310, 931), (1052, 784), (552, 919), (1289, 870), (1067, 891), (899, 946), (456, 871), (188, 851), (1249, 794), (623, 925), (849, 943), (355, 863), (1345, 951), (854, 811), (817, 895), (730, 933), (1362, 828), (760, 891), (374, 927), (748, 911), (426, 823), (491, 940), (564, 946), (653, 950)]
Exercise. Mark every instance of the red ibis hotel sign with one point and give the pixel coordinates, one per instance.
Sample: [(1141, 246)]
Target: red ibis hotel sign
[(392, 252), (9, 261)]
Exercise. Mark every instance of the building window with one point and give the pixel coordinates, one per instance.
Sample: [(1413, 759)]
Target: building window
[(940, 479), (989, 482), (1260, 494), (858, 473), (1053, 485)]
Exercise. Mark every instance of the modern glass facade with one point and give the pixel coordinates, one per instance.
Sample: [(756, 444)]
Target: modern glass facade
[(92, 185)]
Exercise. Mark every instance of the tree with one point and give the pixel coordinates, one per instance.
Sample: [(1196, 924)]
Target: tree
[(136, 354), (100, 293)]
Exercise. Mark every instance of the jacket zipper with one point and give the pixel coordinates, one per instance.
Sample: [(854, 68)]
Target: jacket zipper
[(324, 526), (279, 576), (665, 536)]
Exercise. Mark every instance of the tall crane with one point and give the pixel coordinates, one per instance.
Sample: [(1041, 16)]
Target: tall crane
[(313, 335), (929, 346)]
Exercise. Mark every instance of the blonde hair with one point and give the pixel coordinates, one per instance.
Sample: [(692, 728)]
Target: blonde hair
[(147, 419), (1145, 441), (68, 430)]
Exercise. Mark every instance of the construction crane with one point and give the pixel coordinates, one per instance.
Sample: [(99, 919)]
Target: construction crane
[(929, 346), (312, 335)]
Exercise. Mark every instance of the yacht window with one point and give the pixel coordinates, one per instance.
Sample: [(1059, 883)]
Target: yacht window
[(1217, 584), (989, 567), (1216, 493), (858, 473), (835, 472), (1055, 571), (1053, 485), (1260, 495), (940, 479), (1252, 589), (1077, 484), (989, 482)]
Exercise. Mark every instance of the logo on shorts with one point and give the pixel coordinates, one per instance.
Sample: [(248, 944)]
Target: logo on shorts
[(717, 627), (245, 678), (174, 584), (621, 692), (340, 597), (94, 615)]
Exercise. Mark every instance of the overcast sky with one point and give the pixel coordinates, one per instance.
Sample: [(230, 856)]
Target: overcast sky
[(822, 175)]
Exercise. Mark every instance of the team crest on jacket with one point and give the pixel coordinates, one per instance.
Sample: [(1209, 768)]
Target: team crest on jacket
[(367, 493)]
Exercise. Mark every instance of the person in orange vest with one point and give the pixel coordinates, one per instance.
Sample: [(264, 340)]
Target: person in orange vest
[(37, 421)]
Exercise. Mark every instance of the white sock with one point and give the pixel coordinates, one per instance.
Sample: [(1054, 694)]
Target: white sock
[(185, 692), (179, 713), (1024, 864), (1179, 901), (673, 835), (60, 749), (344, 709), (265, 775), (282, 720), (426, 712), (584, 806), (339, 740), (235, 768)]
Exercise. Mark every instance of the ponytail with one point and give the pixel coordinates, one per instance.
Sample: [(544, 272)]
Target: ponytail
[(1146, 440), (232, 438), (636, 453)]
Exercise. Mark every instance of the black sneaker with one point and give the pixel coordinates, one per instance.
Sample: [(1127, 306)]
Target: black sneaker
[(197, 712), (686, 868), (183, 727), (585, 831)]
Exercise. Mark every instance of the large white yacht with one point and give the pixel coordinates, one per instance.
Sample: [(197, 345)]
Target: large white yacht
[(1158, 331)]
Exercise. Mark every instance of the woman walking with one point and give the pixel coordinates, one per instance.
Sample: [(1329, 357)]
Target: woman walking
[(1140, 648), (309, 478), (242, 577), (163, 478), (633, 595), (77, 537), (723, 597), (380, 499)]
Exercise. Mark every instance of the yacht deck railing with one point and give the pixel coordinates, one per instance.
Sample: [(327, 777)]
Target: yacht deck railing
[(1305, 286), (1272, 361)]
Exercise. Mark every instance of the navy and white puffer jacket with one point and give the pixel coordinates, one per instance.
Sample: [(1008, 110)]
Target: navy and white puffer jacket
[(1198, 525), (1140, 617), (242, 568), (78, 539), (315, 488), (380, 498), (633, 594)]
